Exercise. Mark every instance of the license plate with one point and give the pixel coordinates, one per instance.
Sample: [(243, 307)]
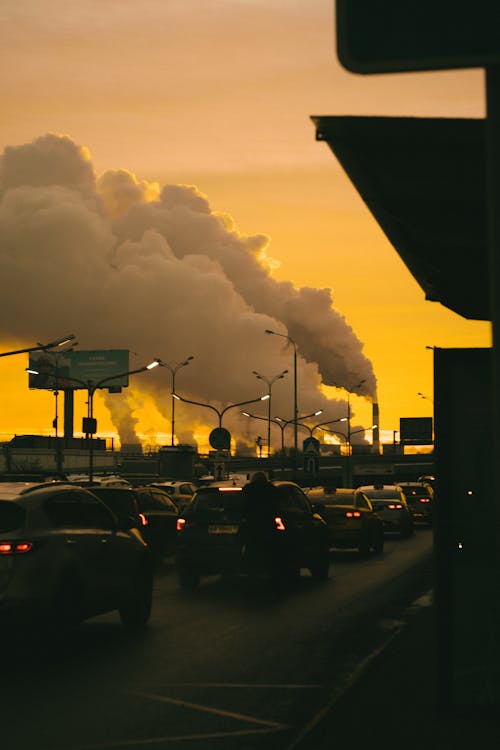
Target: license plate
[(223, 529)]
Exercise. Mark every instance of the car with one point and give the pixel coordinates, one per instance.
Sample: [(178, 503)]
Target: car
[(420, 499), (181, 492), (148, 509), (212, 536), (390, 504), (101, 479), (351, 520), (64, 557)]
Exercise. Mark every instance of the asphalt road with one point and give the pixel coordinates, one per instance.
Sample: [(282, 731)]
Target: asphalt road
[(232, 666)]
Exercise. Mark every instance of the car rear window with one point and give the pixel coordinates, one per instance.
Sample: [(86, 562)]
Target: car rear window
[(211, 499), (347, 499), (118, 499), (416, 491), (12, 516), (382, 495)]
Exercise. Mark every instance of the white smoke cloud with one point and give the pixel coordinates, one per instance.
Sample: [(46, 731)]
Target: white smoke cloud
[(126, 264)]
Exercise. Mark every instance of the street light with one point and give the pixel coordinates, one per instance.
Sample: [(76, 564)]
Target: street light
[(280, 424), (347, 439), (269, 382), (322, 424), (427, 398), (349, 392), (300, 418), (91, 389), (42, 347), (220, 413), (295, 407), (173, 369)]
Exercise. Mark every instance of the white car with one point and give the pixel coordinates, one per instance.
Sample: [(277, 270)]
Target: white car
[(181, 492), (102, 479), (64, 557)]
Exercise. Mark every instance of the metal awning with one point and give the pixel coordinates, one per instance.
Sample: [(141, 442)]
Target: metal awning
[(423, 179)]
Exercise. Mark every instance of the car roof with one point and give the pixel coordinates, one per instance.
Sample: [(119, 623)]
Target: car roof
[(317, 493), (11, 490), (30, 494), (369, 489)]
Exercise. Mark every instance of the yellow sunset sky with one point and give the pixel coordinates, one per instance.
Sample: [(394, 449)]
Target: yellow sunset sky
[(219, 94)]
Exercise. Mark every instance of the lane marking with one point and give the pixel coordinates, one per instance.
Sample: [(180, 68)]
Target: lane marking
[(244, 685), (178, 738), (423, 601), (268, 726), (209, 709)]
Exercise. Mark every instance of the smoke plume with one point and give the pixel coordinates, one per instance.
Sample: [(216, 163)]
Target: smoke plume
[(124, 263)]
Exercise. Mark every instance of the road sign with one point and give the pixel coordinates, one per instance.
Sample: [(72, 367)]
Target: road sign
[(311, 446), (220, 439), (310, 449), (391, 36)]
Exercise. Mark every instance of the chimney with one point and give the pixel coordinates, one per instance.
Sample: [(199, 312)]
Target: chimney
[(376, 437)]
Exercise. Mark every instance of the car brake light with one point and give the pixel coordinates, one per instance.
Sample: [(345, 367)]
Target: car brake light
[(280, 526), (144, 520), (15, 548), (353, 514), (181, 522), (394, 506), (424, 500)]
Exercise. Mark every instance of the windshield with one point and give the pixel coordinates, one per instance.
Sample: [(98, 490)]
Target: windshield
[(208, 499), (118, 499)]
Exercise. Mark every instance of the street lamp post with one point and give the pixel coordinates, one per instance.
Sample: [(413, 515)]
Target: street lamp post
[(42, 347), (295, 406), (173, 369), (296, 421), (269, 382), (322, 424), (91, 389), (220, 413), (349, 392), (347, 439), (280, 425)]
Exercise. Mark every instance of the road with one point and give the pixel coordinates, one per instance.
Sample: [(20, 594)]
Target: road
[(232, 666)]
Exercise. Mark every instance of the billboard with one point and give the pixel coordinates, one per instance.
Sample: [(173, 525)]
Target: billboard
[(78, 369), (415, 430)]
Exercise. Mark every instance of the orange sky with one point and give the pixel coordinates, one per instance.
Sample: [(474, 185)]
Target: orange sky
[(220, 95)]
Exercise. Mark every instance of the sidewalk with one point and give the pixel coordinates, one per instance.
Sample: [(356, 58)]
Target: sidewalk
[(393, 704)]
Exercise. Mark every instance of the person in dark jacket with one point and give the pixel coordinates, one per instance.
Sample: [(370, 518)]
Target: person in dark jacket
[(261, 502)]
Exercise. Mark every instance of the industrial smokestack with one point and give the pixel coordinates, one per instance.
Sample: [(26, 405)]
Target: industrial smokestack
[(376, 437)]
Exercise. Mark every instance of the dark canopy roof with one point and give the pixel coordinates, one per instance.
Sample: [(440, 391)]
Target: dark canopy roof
[(424, 182)]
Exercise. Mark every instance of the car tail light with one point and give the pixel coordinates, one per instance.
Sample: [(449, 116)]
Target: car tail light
[(279, 523), (181, 522), (394, 506), (353, 514), (144, 520), (15, 548), (424, 500)]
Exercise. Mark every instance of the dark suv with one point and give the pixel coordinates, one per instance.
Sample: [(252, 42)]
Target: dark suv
[(152, 511), (212, 533), (64, 556)]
